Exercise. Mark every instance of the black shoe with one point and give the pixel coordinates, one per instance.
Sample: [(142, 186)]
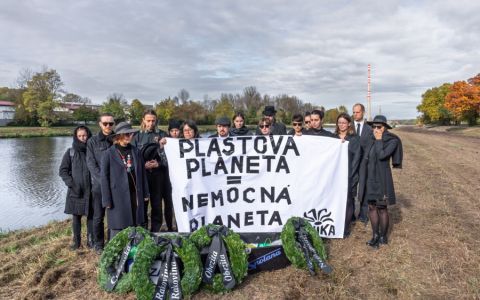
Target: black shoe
[(374, 241), (383, 240), (363, 220)]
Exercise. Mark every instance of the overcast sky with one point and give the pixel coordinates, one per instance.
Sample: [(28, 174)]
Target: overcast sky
[(316, 50)]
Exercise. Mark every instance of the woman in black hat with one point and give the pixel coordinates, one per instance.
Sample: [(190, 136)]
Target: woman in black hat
[(124, 182), (344, 130), (383, 147), (74, 172)]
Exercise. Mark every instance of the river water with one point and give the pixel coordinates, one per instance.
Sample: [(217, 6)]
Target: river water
[(31, 192)]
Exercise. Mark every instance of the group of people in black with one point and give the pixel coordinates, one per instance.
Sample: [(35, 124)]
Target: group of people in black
[(118, 173)]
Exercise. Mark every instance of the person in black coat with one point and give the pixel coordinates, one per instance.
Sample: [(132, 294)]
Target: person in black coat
[(96, 147), (124, 182), (297, 124), (344, 130), (379, 190), (316, 118), (365, 132), (239, 128), (276, 128), (223, 127), (74, 172)]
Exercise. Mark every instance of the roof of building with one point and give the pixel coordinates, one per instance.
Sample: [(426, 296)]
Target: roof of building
[(7, 103)]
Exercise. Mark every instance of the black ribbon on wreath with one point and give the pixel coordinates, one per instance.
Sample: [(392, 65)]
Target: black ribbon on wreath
[(218, 257), (168, 283), (311, 255), (134, 239)]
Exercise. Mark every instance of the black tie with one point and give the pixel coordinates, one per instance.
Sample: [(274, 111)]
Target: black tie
[(358, 128)]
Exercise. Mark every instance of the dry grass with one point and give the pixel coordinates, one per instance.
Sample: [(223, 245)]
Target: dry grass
[(434, 249)]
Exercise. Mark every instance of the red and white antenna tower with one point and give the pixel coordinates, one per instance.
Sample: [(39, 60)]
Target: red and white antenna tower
[(369, 99)]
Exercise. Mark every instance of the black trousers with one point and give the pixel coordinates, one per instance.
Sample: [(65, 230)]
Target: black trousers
[(77, 228), (160, 200), (98, 217)]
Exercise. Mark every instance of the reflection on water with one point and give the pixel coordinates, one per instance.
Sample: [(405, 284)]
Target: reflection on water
[(31, 192)]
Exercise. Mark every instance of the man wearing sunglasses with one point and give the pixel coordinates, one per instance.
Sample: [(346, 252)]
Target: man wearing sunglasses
[(364, 131), (307, 120), (96, 146), (297, 125)]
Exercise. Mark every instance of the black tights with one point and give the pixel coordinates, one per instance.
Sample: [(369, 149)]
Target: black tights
[(379, 219)]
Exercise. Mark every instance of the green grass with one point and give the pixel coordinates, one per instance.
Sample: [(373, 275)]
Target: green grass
[(25, 132)]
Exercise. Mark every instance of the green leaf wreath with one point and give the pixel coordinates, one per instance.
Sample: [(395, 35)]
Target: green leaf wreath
[(292, 251), (113, 251), (191, 274), (236, 255)]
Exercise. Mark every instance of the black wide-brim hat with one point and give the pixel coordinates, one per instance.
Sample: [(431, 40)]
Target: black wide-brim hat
[(122, 127), (379, 119), (150, 151)]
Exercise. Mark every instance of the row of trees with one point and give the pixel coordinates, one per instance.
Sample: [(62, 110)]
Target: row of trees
[(38, 94), (449, 103)]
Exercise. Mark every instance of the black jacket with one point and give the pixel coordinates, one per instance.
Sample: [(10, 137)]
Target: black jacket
[(379, 174), (243, 131), (96, 146), (116, 191), (319, 132), (74, 172)]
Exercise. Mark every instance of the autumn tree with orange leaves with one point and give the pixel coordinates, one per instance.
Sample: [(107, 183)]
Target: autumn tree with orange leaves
[(463, 100)]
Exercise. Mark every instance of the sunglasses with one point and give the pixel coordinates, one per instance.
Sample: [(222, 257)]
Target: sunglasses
[(264, 126), (297, 124), (307, 122), (377, 126), (108, 124)]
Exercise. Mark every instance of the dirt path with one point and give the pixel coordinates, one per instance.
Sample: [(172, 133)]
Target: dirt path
[(434, 249)]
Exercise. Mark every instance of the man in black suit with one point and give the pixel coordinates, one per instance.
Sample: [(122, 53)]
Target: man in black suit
[(364, 131), (223, 127)]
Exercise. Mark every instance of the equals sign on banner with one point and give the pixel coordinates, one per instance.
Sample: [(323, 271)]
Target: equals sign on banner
[(234, 179)]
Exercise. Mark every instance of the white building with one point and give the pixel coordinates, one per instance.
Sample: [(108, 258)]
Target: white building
[(7, 112)]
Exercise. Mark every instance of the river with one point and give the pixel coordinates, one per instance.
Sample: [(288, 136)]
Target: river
[(31, 192)]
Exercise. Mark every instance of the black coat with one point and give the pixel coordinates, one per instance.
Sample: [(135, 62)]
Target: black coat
[(96, 146), (379, 174), (243, 131), (354, 155), (116, 191), (319, 132), (74, 172), (365, 138)]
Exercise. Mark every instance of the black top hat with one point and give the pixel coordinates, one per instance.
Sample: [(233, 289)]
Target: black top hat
[(380, 119), (269, 111), (222, 121)]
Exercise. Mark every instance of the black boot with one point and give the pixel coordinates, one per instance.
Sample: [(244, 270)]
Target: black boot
[(90, 243), (76, 242), (383, 240), (374, 241)]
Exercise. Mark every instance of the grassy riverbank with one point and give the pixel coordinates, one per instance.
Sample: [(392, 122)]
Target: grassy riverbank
[(434, 249)]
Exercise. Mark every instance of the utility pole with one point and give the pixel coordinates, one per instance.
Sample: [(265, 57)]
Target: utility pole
[(369, 100)]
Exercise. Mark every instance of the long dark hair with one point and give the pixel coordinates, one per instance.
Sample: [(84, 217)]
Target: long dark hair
[(351, 128)]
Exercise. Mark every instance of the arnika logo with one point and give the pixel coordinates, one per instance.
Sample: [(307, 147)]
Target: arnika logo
[(321, 220)]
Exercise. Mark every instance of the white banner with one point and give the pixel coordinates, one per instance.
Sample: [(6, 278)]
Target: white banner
[(255, 183)]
